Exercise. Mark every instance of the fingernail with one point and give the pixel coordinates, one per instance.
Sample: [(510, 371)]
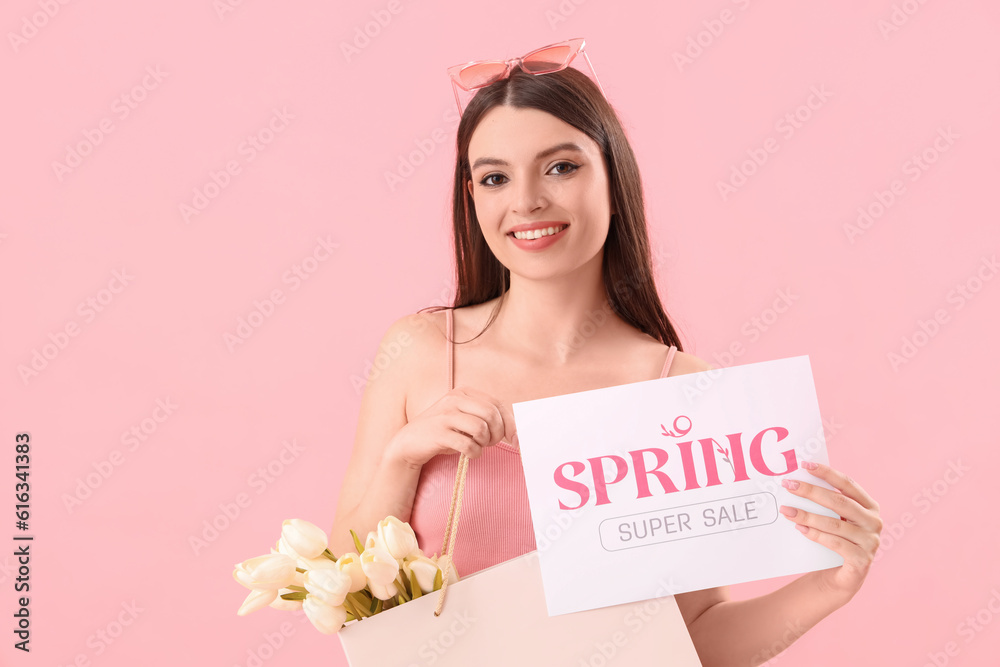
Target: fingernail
[(788, 511), (790, 483), (809, 465)]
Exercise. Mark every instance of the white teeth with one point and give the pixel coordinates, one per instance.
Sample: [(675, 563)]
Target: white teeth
[(538, 233)]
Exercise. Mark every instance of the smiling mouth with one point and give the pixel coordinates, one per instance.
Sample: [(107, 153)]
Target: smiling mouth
[(537, 233)]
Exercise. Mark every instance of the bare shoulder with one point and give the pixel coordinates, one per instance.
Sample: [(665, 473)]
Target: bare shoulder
[(411, 351), (410, 340), (685, 363)]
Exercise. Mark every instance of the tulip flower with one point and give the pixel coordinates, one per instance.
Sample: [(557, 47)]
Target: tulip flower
[(373, 541), (328, 620), (329, 586), (379, 566), (425, 570), (285, 605), (387, 592), (350, 564), (307, 539), (321, 563), (284, 548), (266, 573), (256, 600), (398, 537)]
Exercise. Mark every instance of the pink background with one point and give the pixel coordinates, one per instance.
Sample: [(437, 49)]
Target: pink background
[(721, 263)]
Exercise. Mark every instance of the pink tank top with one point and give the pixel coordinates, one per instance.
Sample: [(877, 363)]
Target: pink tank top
[(495, 522)]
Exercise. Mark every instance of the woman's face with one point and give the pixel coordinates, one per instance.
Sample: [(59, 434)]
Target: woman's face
[(530, 167)]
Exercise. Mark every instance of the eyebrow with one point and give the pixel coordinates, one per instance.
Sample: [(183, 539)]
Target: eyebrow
[(565, 146)]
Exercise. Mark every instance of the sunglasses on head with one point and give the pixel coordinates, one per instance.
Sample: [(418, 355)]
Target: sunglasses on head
[(552, 58)]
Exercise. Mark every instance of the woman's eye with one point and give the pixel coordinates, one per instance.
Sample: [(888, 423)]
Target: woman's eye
[(572, 166), (487, 182)]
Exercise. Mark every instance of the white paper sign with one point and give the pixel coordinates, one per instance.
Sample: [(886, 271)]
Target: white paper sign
[(673, 482)]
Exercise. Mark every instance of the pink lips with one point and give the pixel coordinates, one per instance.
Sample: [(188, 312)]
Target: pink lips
[(533, 245)]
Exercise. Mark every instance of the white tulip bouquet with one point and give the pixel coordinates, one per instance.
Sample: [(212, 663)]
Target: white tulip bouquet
[(388, 570)]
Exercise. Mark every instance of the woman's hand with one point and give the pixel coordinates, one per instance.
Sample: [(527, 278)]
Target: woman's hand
[(462, 420), (855, 536)]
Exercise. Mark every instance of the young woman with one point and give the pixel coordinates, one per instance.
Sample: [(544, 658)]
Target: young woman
[(569, 305)]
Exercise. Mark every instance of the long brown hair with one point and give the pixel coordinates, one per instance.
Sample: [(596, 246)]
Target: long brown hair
[(627, 265)]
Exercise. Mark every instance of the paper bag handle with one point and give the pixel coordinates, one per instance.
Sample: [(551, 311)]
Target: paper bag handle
[(451, 529)]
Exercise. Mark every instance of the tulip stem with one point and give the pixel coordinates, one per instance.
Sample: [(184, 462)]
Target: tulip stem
[(402, 587), (351, 608), (361, 605)]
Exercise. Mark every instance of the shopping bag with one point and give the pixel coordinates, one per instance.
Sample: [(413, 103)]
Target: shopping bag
[(498, 617)]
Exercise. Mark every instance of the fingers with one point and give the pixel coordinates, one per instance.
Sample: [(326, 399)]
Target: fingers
[(832, 532), (499, 416), (848, 508), (843, 483)]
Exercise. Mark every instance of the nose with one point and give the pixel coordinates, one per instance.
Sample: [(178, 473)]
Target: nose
[(529, 195)]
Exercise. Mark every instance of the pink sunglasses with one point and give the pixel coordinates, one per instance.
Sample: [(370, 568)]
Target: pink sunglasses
[(552, 58)]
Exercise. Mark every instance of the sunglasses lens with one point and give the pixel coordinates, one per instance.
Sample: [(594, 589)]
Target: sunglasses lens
[(481, 74), (548, 60)]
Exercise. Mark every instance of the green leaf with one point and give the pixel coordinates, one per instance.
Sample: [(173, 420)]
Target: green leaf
[(414, 586), (329, 554), (399, 599), (296, 588), (378, 606), (357, 543), (376, 603), (438, 580), (294, 596)]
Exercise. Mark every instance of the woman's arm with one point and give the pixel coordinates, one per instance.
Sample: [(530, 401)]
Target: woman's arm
[(377, 484), (750, 632)]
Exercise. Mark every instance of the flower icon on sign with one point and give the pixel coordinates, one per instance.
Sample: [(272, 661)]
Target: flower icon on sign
[(681, 430)]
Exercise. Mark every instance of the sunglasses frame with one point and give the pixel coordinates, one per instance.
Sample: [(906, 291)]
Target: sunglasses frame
[(576, 47)]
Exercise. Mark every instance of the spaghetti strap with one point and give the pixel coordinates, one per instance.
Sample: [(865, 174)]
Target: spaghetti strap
[(670, 359), (450, 353)]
